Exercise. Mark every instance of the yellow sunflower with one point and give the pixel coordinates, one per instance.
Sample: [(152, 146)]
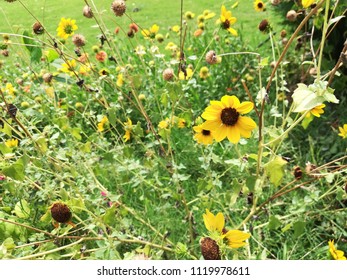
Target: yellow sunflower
[(128, 126), (215, 225), (259, 6), (336, 254), (203, 136), (224, 118), (227, 20), (11, 143), (66, 28), (151, 32), (343, 131), (307, 3), (316, 111), (69, 67), (102, 123)]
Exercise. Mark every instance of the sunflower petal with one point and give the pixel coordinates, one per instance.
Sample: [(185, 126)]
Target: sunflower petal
[(220, 133), (219, 221), (209, 220), (246, 123), (245, 107), (233, 134), (230, 101), (211, 125)]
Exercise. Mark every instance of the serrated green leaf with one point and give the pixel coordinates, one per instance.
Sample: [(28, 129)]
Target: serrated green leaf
[(15, 171), (275, 170), (299, 228), (274, 223), (22, 209)]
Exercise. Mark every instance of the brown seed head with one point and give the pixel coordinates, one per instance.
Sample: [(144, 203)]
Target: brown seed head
[(275, 2), (61, 212), (168, 74), (297, 172), (118, 7), (291, 15), (211, 57), (38, 28), (47, 77), (78, 40), (283, 33), (264, 25), (209, 249), (87, 11)]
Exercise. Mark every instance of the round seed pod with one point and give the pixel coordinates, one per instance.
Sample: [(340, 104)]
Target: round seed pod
[(211, 57), (210, 249), (61, 212), (118, 7)]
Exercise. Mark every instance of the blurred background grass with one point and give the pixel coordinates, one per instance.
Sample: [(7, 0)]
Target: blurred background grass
[(15, 19)]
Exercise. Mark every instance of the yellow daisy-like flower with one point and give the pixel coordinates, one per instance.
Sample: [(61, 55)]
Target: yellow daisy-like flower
[(189, 15), (316, 111), (181, 123), (68, 67), (66, 28), (259, 6), (128, 126), (102, 123), (9, 89), (150, 34), (204, 72), (189, 73), (343, 131), (307, 3), (120, 80), (215, 225), (203, 136), (11, 143), (176, 28), (336, 254), (164, 124), (224, 118), (207, 14), (227, 20)]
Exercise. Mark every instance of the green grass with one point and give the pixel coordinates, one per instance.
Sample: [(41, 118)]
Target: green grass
[(145, 13)]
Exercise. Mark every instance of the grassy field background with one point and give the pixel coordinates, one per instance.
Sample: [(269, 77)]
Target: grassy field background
[(15, 19)]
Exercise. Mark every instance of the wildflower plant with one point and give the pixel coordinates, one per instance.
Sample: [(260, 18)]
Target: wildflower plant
[(117, 140)]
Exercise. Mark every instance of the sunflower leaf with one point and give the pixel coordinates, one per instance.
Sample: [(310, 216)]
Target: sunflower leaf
[(275, 169)]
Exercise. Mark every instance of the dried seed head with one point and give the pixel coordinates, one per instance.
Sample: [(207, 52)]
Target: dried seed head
[(211, 57), (38, 28), (168, 74), (118, 7), (291, 15), (283, 33), (264, 25), (297, 172), (209, 249), (87, 11), (61, 212), (47, 77), (275, 2), (78, 40)]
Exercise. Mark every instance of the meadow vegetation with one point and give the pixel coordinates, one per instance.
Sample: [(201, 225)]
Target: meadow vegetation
[(184, 130)]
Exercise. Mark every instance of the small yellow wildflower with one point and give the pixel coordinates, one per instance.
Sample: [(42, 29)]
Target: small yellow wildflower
[(207, 14), (259, 5), (203, 136), (189, 15), (66, 28), (11, 143), (336, 254), (9, 89), (102, 123), (189, 73), (68, 67), (204, 72), (120, 80), (176, 28), (215, 225), (150, 34), (343, 131), (316, 111), (164, 124), (227, 20), (181, 123), (128, 126), (225, 119)]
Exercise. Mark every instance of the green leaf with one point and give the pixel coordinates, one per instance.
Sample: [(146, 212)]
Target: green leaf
[(274, 223), (42, 144), (307, 121), (52, 55), (33, 48), (112, 116), (15, 171), (275, 169), (4, 149), (22, 209), (235, 191), (110, 217), (75, 131), (299, 228)]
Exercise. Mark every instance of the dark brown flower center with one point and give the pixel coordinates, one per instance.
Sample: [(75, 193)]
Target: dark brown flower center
[(206, 132), (260, 5), (68, 29), (226, 24), (229, 116)]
